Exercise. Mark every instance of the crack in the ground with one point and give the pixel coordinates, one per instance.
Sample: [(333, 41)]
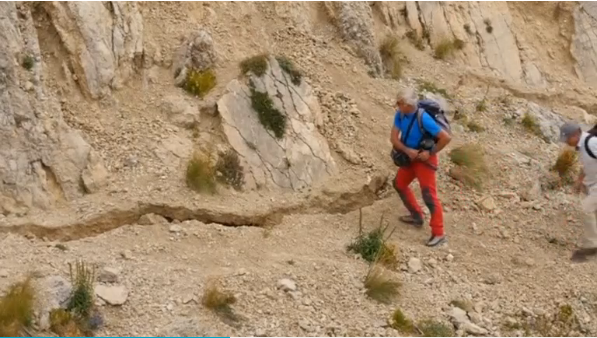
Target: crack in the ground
[(327, 202)]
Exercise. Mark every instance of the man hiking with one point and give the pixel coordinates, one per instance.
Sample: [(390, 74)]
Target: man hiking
[(417, 138), (586, 144)]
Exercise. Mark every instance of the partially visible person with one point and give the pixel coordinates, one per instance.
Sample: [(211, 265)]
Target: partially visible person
[(586, 144), (417, 139)]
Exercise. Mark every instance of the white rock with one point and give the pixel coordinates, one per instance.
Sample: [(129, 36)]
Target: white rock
[(414, 265), (175, 228), (286, 285), (113, 295), (108, 275)]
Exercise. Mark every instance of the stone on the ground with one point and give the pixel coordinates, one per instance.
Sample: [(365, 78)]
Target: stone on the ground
[(184, 327), (108, 275), (196, 53), (54, 292), (112, 294), (414, 265), (152, 219), (287, 285), (487, 203)]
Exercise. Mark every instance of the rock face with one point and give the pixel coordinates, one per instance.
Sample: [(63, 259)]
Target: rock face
[(548, 121), (301, 158), (198, 52), (41, 158), (104, 41), (355, 21), (584, 43)]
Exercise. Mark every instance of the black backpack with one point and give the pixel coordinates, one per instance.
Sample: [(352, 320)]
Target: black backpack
[(434, 110)]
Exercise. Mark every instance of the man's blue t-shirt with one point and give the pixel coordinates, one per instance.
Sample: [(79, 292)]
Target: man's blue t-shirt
[(403, 121)]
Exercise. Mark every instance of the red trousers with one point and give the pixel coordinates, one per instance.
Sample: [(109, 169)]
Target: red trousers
[(424, 172)]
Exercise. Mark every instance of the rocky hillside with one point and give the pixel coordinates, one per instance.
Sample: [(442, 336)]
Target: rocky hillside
[(176, 145)]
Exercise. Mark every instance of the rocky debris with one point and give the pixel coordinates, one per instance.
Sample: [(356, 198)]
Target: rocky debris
[(184, 327), (54, 292), (179, 112), (42, 159), (103, 42), (287, 285), (297, 161), (108, 275), (414, 265), (487, 203), (462, 322), (355, 21), (533, 192), (115, 295), (548, 121), (152, 219), (197, 52)]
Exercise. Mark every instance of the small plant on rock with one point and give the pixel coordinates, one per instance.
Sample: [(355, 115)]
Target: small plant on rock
[(63, 324), (488, 26), (269, 116), (220, 302), (529, 122), (28, 62), (471, 168), (446, 47), (201, 174), (199, 83), (289, 67), (426, 86), (475, 127), (566, 165), (434, 328), (481, 106), (16, 309), (380, 285), (230, 170), (467, 28), (372, 246), (257, 65)]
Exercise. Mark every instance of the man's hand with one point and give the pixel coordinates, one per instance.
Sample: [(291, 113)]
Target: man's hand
[(412, 153), (423, 156)]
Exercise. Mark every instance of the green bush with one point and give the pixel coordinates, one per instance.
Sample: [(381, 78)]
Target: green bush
[(426, 86), (270, 117), (81, 301), (256, 64), (199, 83), (28, 62), (289, 67)]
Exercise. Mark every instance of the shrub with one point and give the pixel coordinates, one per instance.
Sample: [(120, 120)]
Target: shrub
[(230, 169), (201, 174), (433, 328), (16, 309), (481, 106), (426, 86), (467, 28), (220, 302), (257, 65), (63, 324), (529, 122), (471, 168), (415, 39), (28, 62), (401, 323), (446, 47), (475, 127), (372, 246), (81, 301), (390, 55), (380, 286), (288, 66), (270, 117), (488, 26), (565, 166), (199, 83)]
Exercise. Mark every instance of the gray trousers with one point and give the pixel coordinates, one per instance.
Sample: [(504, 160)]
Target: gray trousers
[(589, 218)]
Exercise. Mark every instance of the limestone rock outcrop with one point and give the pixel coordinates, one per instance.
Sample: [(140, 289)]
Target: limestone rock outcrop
[(104, 41), (297, 160), (41, 158)]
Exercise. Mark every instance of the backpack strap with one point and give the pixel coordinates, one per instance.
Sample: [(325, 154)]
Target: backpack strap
[(587, 149), (407, 133), (420, 113)]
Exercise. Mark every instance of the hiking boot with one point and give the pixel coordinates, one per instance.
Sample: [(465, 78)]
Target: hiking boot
[(582, 255), (436, 240), (417, 221)]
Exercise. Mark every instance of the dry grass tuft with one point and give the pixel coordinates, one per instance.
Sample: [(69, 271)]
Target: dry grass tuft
[(380, 285), (566, 166), (63, 324), (290, 68), (471, 167), (430, 87), (415, 39), (257, 65), (199, 83), (474, 126), (529, 122), (390, 55), (214, 298), (16, 309), (482, 105), (447, 47), (401, 323), (433, 328), (200, 175)]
